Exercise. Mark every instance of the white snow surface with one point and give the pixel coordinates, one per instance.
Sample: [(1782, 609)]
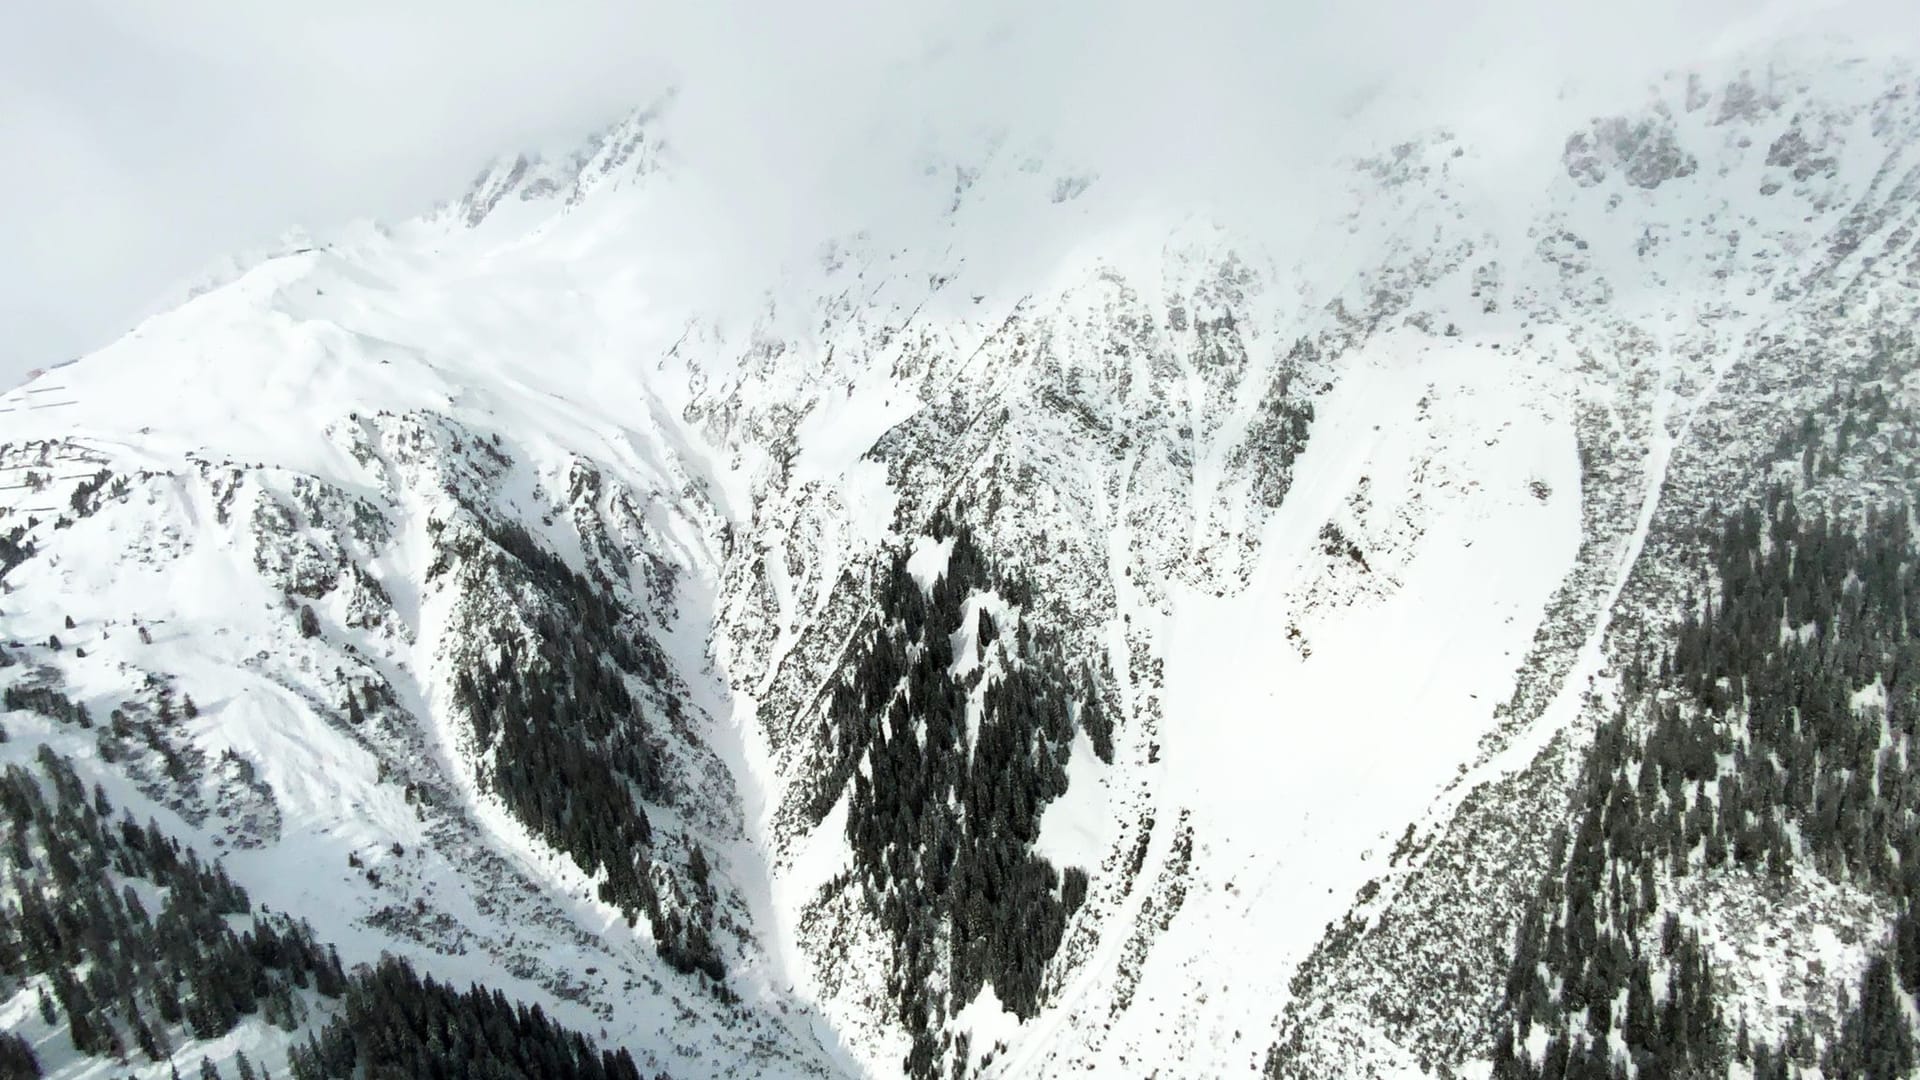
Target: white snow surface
[(1298, 770), (1301, 678)]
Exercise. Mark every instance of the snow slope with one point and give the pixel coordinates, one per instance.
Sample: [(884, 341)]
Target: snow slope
[(1349, 535), (267, 458)]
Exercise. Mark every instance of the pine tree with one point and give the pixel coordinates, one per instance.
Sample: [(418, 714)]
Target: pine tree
[(17, 1059)]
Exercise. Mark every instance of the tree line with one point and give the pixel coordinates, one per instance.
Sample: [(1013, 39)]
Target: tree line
[(125, 974), (1773, 736), (151, 977)]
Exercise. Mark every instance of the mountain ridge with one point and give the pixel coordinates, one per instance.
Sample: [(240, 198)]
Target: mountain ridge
[(1225, 484)]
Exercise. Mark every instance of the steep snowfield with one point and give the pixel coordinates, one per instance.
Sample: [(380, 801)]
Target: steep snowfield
[(273, 458), (1350, 533), (1306, 727)]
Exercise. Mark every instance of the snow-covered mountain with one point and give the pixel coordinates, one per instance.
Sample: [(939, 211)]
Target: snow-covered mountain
[(1176, 653)]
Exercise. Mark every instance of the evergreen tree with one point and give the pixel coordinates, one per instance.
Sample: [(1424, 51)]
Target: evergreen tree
[(17, 1059), (1738, 748)]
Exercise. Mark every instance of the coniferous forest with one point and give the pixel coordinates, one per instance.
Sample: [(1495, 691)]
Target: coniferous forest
[(397, 1024), (1774, 736), (137, 946), (946, 797), (126, 972), (572, 753)]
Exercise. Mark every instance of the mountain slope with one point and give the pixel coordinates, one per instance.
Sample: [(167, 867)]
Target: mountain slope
[(1172, 656)]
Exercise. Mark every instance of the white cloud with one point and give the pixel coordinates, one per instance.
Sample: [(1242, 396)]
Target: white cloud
[(147, 137)]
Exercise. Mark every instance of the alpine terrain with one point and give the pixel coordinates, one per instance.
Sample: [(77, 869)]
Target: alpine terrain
[(1476, 633)]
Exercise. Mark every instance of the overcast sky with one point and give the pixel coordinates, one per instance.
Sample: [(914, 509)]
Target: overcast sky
[(146, 138)]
